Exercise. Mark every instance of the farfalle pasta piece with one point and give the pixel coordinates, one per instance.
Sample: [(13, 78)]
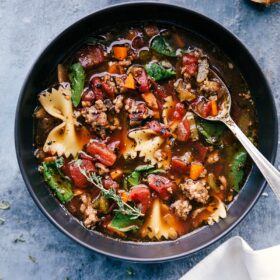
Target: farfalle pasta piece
[(128, 150), (147, 143), (64, 139), (168, 108), (219, 212), (161, 223)]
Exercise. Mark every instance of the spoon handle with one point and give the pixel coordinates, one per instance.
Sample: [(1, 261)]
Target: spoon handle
[(270, 173)]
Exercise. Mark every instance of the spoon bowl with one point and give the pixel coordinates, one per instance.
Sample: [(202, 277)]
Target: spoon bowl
[(270, 173)]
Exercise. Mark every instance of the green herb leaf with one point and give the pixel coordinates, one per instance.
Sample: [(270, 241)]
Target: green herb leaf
[(124, 223), (133, 179), (19, 239), (211, 131), (158, 72), (77, 78), (60, 185), (236, 172), (4, 205), (161, 46), (123, 207), (154, 171), (33, 259), (142, 168)]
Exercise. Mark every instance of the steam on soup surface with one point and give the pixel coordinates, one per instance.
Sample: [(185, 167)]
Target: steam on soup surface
[(118, 143)]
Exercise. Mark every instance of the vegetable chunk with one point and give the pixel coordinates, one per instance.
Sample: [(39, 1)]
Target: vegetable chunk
[(61, 186)]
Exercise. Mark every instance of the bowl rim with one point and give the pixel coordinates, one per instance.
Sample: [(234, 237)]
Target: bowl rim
[(113, 255)]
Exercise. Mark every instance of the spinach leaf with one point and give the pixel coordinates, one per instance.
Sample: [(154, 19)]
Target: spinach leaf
[(236, 172), (142, 168), (211, 131), (133, 179), (77, 78), (124, 223), (161, 46), (61, 186), (158, 72), (154, 171)]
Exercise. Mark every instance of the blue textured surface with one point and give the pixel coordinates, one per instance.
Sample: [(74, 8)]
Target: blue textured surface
[(25, 29)]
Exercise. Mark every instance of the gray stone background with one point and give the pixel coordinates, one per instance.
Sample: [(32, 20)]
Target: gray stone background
[(26, 27)]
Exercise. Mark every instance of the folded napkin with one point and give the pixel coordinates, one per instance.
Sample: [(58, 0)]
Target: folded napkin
[(236, 260)]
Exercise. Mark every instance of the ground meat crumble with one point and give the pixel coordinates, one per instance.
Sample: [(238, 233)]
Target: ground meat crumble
[(89, 213), (181, 208), (195, 190)]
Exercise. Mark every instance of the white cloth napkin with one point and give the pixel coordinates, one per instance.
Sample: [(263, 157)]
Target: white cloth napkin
[(236, 260)]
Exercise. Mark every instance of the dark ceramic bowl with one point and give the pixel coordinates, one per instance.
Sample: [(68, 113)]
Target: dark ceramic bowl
[(38, 79)]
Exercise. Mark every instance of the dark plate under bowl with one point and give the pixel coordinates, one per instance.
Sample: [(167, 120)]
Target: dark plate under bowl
[(38, 79)]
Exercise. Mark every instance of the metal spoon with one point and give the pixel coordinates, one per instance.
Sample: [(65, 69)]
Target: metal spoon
[(270, 173)]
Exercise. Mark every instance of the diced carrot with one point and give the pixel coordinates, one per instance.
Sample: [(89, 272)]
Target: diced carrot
[(196, 170), (113, 68), (116, 173), (156, 114), (214, 108), (78, 191), (124, 196), (150, 99), (49, 159), (120, 53), (129, 82)]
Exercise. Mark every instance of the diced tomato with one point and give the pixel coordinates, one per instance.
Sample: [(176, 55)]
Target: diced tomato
[(190, 63), (179, 112), (99, 87), (202, 106), (179, 165), (141, 195), (207, 108), (162, 185), (91, 56), (141, 78), (83, 155), (72, 170), (199, 151), (101, 152), (88, 95), (183, 131), (109, 89), (159, 128), (109, 183), (159, 91), (138, 42), (96, 92)]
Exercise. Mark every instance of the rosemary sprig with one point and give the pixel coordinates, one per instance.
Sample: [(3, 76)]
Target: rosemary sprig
[(124, 207)]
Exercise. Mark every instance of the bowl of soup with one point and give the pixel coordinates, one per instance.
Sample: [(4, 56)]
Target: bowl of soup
[(108, 143)]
